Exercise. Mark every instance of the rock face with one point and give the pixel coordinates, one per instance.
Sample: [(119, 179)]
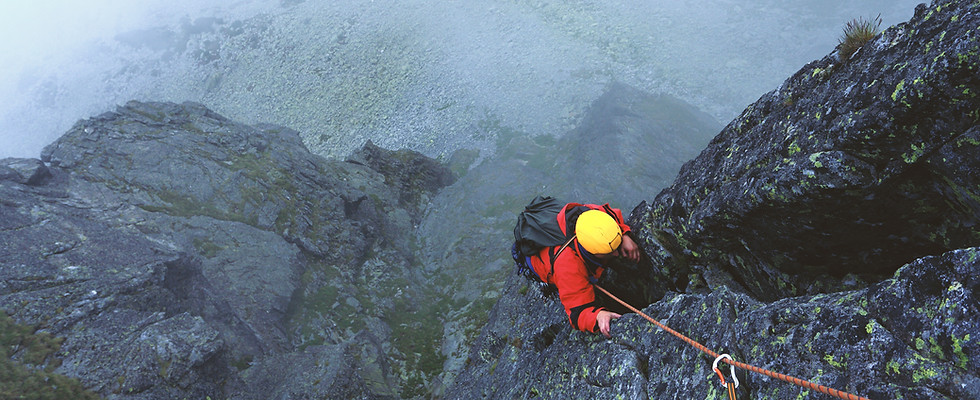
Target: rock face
[(415, 176), (783, 244), (181, 254), (851, 166), (912, 336)]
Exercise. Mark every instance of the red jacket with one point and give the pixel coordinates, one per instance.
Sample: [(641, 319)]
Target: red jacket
[(573, 275)]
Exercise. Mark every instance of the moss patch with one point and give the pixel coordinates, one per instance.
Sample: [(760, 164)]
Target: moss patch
[(27, 362)]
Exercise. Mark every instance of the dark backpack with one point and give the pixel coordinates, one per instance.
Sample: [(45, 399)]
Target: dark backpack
[(537, 227)]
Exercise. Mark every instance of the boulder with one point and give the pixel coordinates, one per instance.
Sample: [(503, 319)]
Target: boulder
[(26, 171)]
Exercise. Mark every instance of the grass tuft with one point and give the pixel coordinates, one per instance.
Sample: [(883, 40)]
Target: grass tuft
[(856, 33), (28, 359)]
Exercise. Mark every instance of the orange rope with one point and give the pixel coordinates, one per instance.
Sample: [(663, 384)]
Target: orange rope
[(786, 378), (731, 390)]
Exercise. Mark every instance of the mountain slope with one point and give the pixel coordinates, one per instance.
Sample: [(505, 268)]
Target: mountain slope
[(181, 254)]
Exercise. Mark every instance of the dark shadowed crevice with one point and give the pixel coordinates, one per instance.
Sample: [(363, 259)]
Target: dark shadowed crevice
[(547, 336)]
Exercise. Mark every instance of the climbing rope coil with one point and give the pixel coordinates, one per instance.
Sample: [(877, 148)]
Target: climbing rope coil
[(731, 385)]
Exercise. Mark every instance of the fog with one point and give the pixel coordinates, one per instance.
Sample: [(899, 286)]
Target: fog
[(433, 76)]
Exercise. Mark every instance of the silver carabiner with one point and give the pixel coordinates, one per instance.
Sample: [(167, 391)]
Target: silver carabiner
[(714, 367)]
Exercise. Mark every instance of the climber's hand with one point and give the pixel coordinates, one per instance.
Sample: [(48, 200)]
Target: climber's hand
[(603, 319)]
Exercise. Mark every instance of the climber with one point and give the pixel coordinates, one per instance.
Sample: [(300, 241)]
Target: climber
[(600, 235)]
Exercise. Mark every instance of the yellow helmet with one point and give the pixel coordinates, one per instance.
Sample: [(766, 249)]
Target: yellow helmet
[(598, 233)]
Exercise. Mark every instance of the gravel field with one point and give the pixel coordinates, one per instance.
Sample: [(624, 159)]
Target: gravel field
[(433, 76)]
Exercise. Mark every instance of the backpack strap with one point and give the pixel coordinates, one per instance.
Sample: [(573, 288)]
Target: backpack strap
[(553, 255), (563, 216)]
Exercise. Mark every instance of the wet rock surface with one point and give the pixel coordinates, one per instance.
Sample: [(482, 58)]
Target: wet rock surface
[(178, 253), (852, 166), (911, 336)]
